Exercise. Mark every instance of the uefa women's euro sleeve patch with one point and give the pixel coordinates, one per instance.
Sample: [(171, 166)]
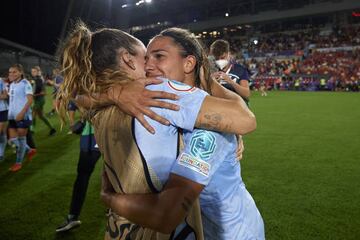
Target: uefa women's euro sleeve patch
[(200, 150), (194, 164)]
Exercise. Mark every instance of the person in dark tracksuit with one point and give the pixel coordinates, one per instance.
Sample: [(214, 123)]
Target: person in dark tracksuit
[(89, 155), (39, 99)]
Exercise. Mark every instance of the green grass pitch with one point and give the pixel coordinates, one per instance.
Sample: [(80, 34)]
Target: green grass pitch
[(301, 165)]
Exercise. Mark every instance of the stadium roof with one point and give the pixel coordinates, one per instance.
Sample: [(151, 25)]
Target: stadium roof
[(39, 24)]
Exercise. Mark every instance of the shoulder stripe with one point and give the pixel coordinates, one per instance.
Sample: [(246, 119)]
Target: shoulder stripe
[(181, 88)]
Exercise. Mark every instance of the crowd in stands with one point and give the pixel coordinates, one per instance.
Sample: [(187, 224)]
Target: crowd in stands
[(312, 59), (298, 40), (334, 71)]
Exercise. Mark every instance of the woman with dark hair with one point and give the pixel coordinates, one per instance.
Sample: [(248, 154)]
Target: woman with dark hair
[(136, 161)]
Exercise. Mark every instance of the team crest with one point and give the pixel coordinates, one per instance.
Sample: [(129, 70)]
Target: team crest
[(202, 144)]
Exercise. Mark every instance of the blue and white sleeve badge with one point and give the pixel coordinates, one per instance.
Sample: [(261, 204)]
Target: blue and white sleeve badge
[(203, 144), (201, 147)]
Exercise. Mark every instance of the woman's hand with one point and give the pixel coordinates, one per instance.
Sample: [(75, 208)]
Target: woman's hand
[(134, 99), (216, 76), (222, 77), (240, 149)]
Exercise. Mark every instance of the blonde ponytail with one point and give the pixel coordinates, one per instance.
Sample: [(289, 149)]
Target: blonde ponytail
[(75, 61), (89, 62)]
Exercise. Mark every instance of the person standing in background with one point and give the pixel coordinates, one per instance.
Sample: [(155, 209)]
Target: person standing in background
[(89, 155), (4, 106), (232, 76), (56, 82), (19, 115), (39, 99)]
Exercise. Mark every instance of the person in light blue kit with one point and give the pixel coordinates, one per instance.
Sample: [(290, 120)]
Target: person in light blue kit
[(19, 115), (4, 106), (206, 167), (209, 159)]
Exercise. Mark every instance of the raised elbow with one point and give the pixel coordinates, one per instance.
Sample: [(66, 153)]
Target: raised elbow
[(249, 125), (252, 124)]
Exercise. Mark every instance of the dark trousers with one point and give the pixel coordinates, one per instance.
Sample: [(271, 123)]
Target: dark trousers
[(29, 139), (86, 165)]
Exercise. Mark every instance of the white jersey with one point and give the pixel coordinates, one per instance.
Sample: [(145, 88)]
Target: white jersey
[(18, 92), (3, 102)]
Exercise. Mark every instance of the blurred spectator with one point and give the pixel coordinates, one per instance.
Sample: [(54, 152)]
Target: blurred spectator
[(39, 99), (55, 82), (231, 75)]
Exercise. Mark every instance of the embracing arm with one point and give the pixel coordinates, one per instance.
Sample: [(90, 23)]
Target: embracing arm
[(134, 99), (225, 111), (163, 211), (102, 100)]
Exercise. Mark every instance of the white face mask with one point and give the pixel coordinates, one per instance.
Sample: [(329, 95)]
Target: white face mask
[(222, 63)]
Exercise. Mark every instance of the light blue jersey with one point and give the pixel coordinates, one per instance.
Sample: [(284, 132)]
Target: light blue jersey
[(228, 210), (160, 149), (3, 102), (209, 158), (18, 98)]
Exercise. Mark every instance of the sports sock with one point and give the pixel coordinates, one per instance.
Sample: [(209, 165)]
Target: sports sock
[(20, 153)]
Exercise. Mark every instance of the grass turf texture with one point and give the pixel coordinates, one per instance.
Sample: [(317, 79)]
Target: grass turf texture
[(301, 166)]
